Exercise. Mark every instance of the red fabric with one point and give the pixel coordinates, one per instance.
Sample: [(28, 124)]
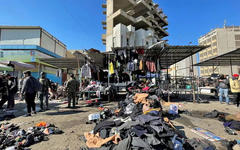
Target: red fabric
[(146, 88), (140, 51), (236, 75)]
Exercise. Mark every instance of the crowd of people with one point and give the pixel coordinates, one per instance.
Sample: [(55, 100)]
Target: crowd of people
[(29, 88)]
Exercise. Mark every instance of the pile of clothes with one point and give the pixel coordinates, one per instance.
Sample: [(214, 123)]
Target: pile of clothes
[(12, 137), (138, 123)]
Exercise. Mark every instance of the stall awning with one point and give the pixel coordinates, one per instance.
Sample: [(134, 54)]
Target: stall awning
[(168, 54), (227, 59), (18, 65), (68, 63)]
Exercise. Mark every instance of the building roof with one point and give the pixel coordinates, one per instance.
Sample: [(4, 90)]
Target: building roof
[(32, 27), (227, 59)]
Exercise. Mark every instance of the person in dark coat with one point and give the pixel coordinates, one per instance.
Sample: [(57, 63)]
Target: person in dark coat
[(13, 88), (29, 91), (43, 92), (72, 88), (4, 92)]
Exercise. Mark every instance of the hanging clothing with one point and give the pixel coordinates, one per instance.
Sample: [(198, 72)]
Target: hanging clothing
[(141, 65), (130, 66), (86, 71), (111, 68), (140, 51), (151, 66)]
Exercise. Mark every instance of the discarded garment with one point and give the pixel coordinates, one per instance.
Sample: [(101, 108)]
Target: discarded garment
[(140, 98), (95, 141)]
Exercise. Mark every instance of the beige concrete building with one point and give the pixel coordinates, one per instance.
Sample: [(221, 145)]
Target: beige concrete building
[(221, 41), (133, 23)]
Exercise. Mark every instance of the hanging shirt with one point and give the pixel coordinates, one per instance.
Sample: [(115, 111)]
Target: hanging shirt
[(141, 65), (151, 66), (130, 66), (86, 71), (111, 69)]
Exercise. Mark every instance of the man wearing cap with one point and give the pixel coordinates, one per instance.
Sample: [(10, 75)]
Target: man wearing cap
[(29, 90), (43, 92), (4, 93), (235, 87), (72, 88)]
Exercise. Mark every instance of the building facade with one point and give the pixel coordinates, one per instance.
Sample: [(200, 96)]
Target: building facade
[(133, 23), (28, 44), (221, 41)]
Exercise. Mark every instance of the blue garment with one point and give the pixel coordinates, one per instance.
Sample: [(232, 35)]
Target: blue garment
[(225, 92)]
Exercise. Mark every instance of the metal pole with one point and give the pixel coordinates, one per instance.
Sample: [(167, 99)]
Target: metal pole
[(192, 73), (168, 84), (231, 65)]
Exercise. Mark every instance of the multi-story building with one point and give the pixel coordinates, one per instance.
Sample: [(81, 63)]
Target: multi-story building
[(133, 23), (28, 44), (221, 41)]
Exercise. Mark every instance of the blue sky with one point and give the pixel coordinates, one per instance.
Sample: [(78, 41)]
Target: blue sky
[(77, 23)]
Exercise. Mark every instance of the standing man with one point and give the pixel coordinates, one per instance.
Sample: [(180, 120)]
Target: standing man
[(43, 92), (235, 87), (29, 91), (223, 89), (72, 88), (4, 93), (13, 88)]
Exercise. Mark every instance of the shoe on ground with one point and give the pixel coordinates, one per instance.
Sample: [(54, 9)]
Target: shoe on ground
[(34, 112), (28, 115), (47, 109), (41, 110)]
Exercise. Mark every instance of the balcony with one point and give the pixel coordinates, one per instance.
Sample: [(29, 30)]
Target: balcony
[(123, 4), (104, 5), (121, 16), (104, 39), (141, 22), (104, 22), (161, 32), (141, 8)]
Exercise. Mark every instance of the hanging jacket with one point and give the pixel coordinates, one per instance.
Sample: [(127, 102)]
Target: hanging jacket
[(111, 69), (235, 85)]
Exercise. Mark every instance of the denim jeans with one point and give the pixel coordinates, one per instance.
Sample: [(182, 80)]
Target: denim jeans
[(225, 92)]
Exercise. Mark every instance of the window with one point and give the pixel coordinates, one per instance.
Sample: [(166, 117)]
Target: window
[(114, 40), (237, 37), (237, 44), (206, 71), (127, 41), (205, 54), (214, 44), (214, 37), (209, 40), (210, 52), (1, 55), (215, 50)]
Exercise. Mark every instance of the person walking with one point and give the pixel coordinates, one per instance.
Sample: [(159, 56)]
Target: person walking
[(4, 92), (223, 89), (235, 87), (13, 88), (72, 88), (29, 91), (43, 92)]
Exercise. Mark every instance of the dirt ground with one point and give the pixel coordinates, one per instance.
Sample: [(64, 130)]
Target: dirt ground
[(73, 122)]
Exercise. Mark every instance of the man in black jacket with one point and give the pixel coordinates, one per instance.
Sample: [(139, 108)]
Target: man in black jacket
[(43, 93), (29, 91), (3, 90), (13, 88)]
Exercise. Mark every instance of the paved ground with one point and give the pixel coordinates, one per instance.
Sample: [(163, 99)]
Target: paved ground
[(73, 122)]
